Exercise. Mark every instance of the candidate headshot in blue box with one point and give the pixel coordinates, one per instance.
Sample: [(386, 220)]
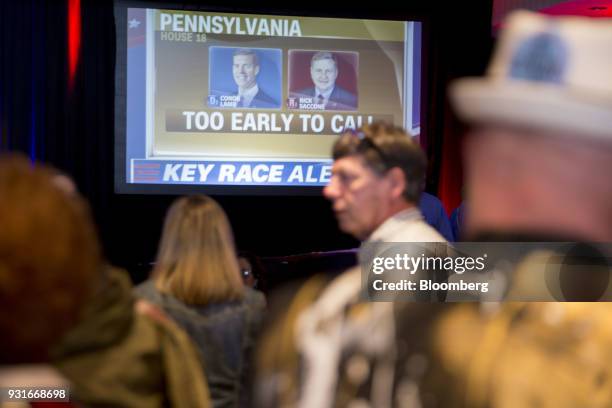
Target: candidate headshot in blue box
[(245, 78)]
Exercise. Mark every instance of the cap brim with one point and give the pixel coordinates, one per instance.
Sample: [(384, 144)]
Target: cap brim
[(525, 104)]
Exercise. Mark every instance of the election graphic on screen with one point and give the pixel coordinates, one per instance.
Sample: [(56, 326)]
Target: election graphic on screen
[(245, 78), (221, 99), (323, 80)]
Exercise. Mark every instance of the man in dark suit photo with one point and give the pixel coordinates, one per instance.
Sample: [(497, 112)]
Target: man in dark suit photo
[(245, 69), (324, 71)]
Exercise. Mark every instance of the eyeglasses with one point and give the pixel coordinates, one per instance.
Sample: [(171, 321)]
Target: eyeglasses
[(366, 142)]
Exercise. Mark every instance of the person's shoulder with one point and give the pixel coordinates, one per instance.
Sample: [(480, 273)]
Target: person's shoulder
[(418, 231), (146, 290), (434, 213), (430, 206), (430, 199), (343, 93), (263, 98), (224, 91), (179, 311), (341, 99), (254, 298), (304, 92)]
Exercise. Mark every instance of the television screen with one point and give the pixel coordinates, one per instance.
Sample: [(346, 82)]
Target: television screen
[(243, 103)]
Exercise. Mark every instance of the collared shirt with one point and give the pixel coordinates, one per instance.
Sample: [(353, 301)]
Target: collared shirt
[(248, 95), (325, 95), (327, 331), (396, 229), (405, 226)]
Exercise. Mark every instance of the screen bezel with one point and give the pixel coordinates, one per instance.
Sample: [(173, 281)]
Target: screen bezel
[(121, 186)]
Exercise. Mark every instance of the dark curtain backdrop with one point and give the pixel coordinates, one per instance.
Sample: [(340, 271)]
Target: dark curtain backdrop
[(73, 130), (32, 54), (41, 117), (461, 44)]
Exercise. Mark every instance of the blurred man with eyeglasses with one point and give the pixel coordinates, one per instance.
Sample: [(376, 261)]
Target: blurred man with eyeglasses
[(375, 185), (343, 349)]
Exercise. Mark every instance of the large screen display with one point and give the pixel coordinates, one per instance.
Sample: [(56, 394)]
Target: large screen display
[(228, 101)]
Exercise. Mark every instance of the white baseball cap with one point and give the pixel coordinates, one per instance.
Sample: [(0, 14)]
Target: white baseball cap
[(552, 73)]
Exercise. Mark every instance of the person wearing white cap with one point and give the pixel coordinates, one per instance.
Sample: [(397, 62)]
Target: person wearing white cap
[(539, 158), (538, 161)]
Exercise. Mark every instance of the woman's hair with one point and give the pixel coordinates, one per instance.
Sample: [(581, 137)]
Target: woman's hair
[(49, 259), (196, 261)]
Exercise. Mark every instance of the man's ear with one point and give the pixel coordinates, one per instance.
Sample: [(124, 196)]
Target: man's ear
[(397, 181), (256, 70)]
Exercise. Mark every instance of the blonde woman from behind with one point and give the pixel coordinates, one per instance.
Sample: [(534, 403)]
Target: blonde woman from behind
[(196, 280)]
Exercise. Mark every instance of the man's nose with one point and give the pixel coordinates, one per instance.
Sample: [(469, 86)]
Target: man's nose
[(330, 191)]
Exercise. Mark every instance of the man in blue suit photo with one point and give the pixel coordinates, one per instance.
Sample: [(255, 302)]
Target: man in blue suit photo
[(324, 71), (245, 69)]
